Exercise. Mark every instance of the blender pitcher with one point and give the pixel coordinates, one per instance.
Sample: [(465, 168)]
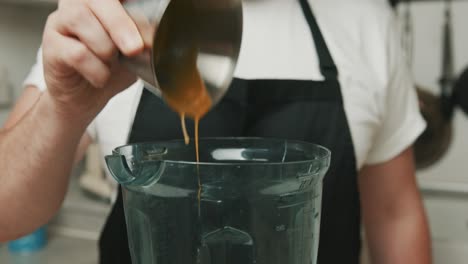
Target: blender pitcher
[(249, 200)]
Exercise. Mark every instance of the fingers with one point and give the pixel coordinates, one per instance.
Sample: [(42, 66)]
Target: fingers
[(101, 25), (71, 53), (85, 62), (84, 36), (76, 20), (118, 24), (144, 26)]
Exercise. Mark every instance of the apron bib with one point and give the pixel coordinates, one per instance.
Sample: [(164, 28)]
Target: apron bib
[(289, 109)]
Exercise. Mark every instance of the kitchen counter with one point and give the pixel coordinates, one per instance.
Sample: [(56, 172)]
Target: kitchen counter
[(73, 233), (59, 250)]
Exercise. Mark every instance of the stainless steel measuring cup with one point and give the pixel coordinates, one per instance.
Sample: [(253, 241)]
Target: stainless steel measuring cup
[(205, 34)]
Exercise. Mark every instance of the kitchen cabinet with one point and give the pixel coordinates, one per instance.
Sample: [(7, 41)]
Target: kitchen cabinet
[(448, 217), (447, 211), (447, 252)]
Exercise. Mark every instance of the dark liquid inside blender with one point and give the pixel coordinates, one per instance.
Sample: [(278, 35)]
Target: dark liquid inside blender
[(231, 228)]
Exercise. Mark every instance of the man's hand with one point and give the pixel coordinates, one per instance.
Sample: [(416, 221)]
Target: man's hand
[(393, 214), (80, 53), (39, 143)]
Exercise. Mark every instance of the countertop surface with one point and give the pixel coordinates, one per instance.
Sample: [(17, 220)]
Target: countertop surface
[(72, 234), (59, 250)]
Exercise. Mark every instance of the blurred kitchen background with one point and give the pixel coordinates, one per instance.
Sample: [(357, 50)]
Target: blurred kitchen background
[(74, 232)]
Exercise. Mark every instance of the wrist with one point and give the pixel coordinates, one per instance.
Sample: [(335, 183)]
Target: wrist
[(73, 116)]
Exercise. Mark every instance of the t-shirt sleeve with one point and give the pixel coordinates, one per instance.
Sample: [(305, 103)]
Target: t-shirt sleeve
[(36, 79), (35, 76), (401, 120)]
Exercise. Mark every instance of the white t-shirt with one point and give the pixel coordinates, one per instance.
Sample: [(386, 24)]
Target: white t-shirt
[(378, 93)]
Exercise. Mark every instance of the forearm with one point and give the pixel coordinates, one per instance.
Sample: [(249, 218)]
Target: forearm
[(36, 157), (403, 239), (393, 212)]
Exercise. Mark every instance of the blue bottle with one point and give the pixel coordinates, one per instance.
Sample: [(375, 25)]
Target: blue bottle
[(30, 243)]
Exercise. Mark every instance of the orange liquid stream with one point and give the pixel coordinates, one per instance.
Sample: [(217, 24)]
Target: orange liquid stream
[(197, 121), (184, 129), (185, 92), (191, 100), (197, 151)]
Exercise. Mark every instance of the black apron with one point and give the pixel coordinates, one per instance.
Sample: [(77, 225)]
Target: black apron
[(289, 109)]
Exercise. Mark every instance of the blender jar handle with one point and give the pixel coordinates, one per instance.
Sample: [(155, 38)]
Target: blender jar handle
[(148, 173)]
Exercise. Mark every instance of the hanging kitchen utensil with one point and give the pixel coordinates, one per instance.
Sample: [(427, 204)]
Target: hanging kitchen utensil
[(447, 79), (433, 144), (435, 141), (460, 92)]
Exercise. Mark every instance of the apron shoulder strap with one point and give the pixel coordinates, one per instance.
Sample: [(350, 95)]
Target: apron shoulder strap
[(327, 65)]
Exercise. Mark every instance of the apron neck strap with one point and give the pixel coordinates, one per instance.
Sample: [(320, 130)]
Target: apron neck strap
[(327, 65)]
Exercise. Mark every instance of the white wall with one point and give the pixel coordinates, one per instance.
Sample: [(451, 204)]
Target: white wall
[(20, 36), (428, 20)]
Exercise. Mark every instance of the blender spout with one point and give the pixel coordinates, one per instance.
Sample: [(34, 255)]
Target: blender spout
[(141, 173), (118, 168)]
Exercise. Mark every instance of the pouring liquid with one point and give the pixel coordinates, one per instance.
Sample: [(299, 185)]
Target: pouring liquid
[(177, 46), (184, 129), (197, 151), (196, 109)]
